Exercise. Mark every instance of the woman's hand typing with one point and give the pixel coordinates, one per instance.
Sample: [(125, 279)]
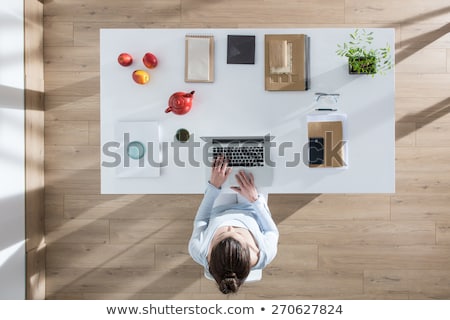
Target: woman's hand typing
[(220, 172)]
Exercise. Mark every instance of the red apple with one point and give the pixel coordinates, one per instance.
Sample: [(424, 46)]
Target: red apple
[(125, 59), (141, 76), (150, 60)]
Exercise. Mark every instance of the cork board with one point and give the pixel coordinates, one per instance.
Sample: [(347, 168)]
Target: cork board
[(331, 132), (286, 62)]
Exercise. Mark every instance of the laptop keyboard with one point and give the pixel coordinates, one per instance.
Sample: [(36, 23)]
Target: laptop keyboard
[(241, 156)]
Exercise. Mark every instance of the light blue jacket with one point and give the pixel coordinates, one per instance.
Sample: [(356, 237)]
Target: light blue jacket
[(255, 216)]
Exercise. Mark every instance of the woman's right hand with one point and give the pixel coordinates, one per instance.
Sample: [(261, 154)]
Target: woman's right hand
[(220, 172)]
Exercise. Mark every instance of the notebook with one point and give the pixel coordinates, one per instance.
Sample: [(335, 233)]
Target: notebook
[(327, 141), (199, 58), (287, 62)]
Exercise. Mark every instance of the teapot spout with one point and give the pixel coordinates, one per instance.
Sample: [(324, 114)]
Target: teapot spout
[(168, 109), (190, 94)]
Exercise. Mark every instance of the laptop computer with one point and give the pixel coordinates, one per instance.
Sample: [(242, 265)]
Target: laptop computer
[(248, 153)]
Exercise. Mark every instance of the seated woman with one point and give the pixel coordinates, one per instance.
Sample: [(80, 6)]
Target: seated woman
[(233, 240)]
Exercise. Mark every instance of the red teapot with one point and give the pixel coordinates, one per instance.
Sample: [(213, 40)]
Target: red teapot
[(180, 102)]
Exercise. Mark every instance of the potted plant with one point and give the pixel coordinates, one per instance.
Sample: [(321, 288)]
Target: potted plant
[(361, 58)]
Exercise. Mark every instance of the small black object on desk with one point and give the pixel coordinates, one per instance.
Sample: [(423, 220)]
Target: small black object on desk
[(241, 49)]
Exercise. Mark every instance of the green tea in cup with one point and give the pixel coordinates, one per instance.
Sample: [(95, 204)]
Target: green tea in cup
[(182, 135)]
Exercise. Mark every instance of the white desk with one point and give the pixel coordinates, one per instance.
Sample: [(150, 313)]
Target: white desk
[(237, 104)]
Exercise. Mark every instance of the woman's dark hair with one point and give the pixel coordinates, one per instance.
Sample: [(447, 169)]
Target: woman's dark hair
[(229, 264)]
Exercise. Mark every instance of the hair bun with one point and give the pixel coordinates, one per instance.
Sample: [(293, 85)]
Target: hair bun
[(229, 284)]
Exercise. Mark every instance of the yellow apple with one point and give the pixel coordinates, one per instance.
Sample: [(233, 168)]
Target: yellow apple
[(141, 76)]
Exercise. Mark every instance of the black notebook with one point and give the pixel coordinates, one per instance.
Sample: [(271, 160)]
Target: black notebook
[(241, 49)]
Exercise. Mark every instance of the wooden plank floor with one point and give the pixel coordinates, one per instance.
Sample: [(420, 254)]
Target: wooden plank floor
[(331, 246)]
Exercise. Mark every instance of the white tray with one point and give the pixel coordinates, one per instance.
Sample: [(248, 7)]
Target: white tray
[(146, 132)]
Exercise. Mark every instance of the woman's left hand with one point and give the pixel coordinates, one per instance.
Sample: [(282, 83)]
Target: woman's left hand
[(246, 187), (220, 172)]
